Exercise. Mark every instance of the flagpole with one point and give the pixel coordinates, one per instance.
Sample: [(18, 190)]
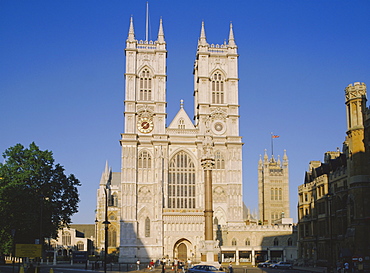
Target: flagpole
[(272, 143), (147, 21), (272, 146)]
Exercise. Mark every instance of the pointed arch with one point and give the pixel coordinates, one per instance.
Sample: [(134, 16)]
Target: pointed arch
[(220, 214), (112, 236), (219, 161), (145, 84), (144, 160), (114, 200), (181, 181), (147, 227), (66, 238), (217, 87), (144, 166)]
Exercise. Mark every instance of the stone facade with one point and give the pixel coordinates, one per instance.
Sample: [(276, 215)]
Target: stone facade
[(333, 205), (273, 189), (155, 204)]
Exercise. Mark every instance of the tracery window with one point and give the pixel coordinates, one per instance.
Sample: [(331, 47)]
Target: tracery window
[(112, 236), (219, 161), (145, 160), (113, 200), (247, 242), (147, 227), (233, 242), (145, 86), (276, 242), (66, 238), (181, 182), (217, 88), (290, 241)]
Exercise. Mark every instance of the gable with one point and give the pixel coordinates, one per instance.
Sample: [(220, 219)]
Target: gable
[(181, 121)]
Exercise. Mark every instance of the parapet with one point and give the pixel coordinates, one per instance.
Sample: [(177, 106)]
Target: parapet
[(355, 90)]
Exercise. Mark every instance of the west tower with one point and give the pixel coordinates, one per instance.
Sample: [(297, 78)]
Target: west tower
[(144, 133)]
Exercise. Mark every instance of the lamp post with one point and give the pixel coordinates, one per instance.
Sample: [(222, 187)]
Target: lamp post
[(330, 257), (106, 223)]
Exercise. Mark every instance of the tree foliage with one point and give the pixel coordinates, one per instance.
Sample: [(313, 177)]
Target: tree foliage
[(36, 196)]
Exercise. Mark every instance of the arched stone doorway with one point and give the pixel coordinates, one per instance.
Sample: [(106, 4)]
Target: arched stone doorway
[(182, 250)]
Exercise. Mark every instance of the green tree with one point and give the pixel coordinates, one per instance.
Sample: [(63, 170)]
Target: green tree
[(36, 197)]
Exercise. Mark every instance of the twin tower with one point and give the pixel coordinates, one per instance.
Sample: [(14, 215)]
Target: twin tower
[(157, 200)]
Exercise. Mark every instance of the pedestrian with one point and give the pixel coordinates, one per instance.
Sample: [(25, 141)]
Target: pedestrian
[(163, 265), (231, 270), (138, 265), (189, 263), (151, 265), (346, 267)]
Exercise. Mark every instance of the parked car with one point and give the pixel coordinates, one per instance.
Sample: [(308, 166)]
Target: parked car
[(266, 263), (203, 268), (282, 265)]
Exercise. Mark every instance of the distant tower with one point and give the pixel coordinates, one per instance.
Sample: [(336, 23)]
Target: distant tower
[(356, 109), (273, 189)]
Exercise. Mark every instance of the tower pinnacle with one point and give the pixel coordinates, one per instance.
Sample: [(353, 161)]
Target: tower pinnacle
[(202, 39), (131, 33), (160, 32), (231, 36)]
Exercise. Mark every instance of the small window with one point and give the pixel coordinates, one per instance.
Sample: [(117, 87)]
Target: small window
[(247, 242), (233, 242), (147, 227), (181, 124), (80, 246), (276, 242)]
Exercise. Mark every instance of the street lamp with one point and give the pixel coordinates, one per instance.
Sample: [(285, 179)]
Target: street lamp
[(106, 223), (330, 258)]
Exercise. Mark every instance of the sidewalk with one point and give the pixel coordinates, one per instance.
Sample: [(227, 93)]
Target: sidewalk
[(311, 269)]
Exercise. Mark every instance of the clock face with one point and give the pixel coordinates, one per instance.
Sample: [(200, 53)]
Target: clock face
[(145, 125), (219, 127)]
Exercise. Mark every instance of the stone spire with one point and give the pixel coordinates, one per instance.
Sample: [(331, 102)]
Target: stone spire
[(131, 33), (285, 159), (231, 37), (202, 40), (160, 38)]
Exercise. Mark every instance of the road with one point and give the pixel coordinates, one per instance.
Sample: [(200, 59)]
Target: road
[(72, 269)]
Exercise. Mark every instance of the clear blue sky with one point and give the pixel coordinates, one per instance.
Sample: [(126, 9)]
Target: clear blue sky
[(62, 86)]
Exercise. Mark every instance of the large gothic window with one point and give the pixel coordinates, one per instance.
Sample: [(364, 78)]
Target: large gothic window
[(145, 160), (181, 182), (145, 86), (217, 88)]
